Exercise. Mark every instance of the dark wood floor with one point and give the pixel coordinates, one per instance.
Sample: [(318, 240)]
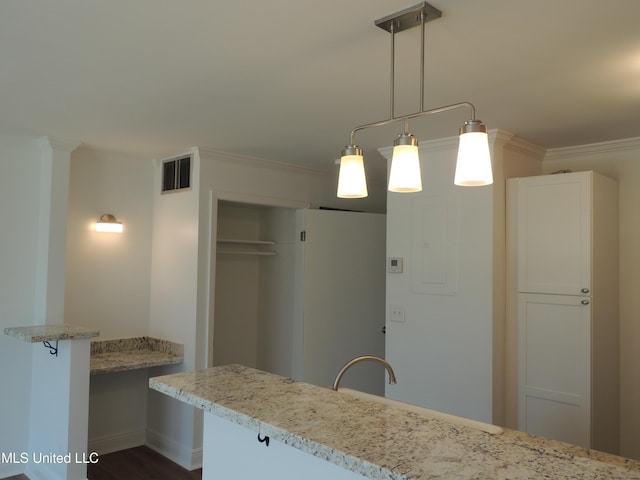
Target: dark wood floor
[(139, 463)]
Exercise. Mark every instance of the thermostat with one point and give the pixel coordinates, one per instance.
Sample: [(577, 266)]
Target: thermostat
[(394, 265)]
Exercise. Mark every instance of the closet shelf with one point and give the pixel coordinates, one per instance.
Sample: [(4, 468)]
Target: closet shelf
[(245, 242), (245, 252), (244, 247)]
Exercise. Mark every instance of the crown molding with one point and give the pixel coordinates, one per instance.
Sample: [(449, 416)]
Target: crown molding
[(18, 141), (509, 141), (446, 143), (502, 138), (85, 147), (256, 162), (593, 148), (48, 144)]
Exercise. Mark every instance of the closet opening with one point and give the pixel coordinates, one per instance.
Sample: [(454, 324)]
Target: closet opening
[(299, 292)]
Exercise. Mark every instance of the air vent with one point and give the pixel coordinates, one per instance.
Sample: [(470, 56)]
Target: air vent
[(176, 174)]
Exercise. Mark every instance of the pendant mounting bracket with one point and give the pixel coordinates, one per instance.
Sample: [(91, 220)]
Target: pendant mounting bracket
[(408, 18)]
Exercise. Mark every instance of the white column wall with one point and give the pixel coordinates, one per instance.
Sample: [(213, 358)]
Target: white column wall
[(20, 161), (35, 198), (442, 352)]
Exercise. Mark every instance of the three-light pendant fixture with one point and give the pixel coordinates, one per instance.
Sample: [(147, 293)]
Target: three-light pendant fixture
[(473, 165)]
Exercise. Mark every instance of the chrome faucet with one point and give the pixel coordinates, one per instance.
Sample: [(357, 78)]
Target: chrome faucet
[(364, 358)]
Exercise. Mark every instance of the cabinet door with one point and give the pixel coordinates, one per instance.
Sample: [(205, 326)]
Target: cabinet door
[(231, 451), (554, 233), (554, 367)]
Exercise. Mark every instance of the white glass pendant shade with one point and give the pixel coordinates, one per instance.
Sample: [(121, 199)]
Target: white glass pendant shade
[(473, 167), (405, 166), (352, 181)]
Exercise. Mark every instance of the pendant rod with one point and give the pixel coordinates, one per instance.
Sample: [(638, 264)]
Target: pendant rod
[(422, 18), (392, 88), (423, 113)]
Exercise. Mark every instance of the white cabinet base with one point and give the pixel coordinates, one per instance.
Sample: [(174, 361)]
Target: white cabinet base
[(232, 451)]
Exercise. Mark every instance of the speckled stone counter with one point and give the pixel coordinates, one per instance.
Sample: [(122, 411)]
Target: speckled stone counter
[(377, 440), (122, 354), (50, 333)]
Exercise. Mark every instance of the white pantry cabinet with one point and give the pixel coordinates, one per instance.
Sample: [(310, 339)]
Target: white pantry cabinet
[(562, 251)]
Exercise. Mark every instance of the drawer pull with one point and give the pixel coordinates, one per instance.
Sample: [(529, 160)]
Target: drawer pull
[(264, 440)]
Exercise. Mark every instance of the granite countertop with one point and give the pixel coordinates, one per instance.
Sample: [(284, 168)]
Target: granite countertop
[(377, 440), (50, 333), (122, 354)]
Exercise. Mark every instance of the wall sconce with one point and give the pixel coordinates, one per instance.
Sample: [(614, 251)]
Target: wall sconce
[(473, 166), (108, 223)]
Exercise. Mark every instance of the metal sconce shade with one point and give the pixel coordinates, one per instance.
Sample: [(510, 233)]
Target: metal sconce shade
[(405, 174), (473, 167), (352, 181), (108, 223)]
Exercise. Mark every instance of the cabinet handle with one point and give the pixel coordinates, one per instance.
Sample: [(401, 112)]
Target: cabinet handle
[(264, 440), (585, 290), (585, 302)]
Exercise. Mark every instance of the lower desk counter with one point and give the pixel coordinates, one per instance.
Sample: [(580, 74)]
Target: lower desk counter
[(363, 438), (122, 354)]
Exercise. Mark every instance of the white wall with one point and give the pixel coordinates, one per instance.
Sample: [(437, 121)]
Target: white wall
[(237, 309), (442, 353), (619, 160), (277, 293), (173, 427), (19, 210), (108, 282), (108, 274)]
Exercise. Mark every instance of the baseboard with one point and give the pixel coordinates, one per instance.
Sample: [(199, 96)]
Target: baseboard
[(188, 458), (115, 443), (12, 473), (41, 472)]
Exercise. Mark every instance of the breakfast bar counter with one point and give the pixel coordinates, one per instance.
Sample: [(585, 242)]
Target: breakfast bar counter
[(365, 438)]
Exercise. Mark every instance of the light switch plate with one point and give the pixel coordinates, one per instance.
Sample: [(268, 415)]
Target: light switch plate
[(396, 313)]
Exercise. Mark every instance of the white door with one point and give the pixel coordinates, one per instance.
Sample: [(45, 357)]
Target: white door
[(340, 311), (554, 352), (554, 234)]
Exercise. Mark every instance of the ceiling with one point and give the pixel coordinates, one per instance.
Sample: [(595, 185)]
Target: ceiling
[(287, 80)]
